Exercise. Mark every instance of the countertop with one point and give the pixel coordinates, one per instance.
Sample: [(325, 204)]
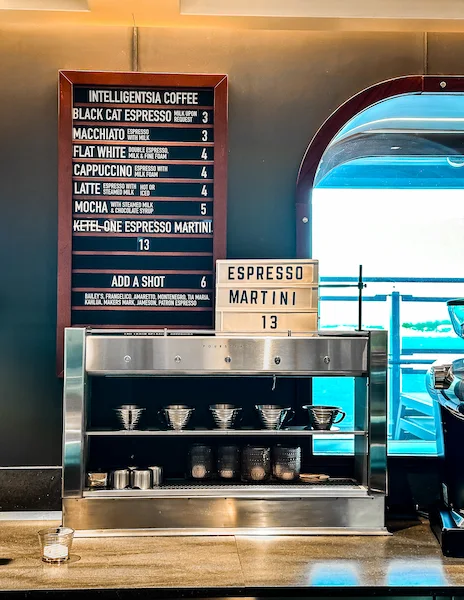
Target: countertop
[(409, 559)]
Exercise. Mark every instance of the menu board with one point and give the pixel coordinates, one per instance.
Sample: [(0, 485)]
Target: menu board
[(267, 296), (142, 199)]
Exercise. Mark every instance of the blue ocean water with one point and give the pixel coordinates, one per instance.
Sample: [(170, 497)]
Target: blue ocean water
[(339, 391)]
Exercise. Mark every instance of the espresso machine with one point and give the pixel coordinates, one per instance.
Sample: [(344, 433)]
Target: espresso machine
[(445, 383)]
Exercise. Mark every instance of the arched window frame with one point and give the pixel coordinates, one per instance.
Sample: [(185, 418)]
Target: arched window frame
[(411, 84)]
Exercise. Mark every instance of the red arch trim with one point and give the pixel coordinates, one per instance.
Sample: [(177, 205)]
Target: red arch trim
[(380, 91)]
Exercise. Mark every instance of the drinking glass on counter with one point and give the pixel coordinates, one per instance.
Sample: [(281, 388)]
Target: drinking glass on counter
[(56, 544)]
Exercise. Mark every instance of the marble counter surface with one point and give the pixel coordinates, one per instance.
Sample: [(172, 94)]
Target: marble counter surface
[(410, 558)]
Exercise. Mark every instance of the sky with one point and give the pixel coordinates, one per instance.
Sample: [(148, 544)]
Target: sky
[(392, 233)]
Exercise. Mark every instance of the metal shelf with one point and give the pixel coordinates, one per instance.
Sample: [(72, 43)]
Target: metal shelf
[(334, 487), (222, 432)]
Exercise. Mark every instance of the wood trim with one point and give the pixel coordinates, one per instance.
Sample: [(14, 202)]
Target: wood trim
[(146, 199), (323, 137), (141, 272), (146, 125), (147, 162), (154, 143), (158, 180), (64, 213), (145, 309), (67, 79), (129, 78), (187, 236), (126, 217), (151, 327), (139, 253), (158, 106), (220, 174), (145, 290)]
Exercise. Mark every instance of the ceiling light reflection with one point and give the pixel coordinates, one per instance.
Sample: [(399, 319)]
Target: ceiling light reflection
[(335, 573)]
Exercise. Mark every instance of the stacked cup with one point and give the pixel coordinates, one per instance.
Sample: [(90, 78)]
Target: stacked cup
[(129, 415)]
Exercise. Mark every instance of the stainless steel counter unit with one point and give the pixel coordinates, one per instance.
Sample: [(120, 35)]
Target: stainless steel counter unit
[(344, 505)]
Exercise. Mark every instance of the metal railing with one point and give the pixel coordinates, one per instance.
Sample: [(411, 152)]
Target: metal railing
[(412, 415)]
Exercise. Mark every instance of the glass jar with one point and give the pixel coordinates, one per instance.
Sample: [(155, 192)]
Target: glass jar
[(287, 462), (228, 462), (56, 544), (256, 464), (201, 465)]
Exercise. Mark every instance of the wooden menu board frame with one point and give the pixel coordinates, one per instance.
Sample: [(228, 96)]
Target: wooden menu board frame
[(67, 81)]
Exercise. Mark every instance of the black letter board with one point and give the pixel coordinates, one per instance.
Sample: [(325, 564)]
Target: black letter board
[(142, 199)]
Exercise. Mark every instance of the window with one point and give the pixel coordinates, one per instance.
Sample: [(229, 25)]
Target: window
[(389, 194)]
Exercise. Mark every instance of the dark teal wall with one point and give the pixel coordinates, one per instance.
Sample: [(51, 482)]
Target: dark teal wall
[(282, 87)]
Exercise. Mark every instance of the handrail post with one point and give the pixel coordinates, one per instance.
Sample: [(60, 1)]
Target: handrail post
[(394, 358)]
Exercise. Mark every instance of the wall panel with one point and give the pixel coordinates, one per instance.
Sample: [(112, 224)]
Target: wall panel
[(282, 86), (445, 53), (30, 400)]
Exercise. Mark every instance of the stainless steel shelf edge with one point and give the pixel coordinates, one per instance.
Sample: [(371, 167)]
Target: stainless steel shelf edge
[(74, 395), (222, 432), (223, 355), (377, 404), (237, 532), (185, 514), (259, 492)]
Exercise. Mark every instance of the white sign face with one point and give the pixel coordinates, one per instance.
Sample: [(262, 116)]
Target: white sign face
[(267, 272), (258, 298), (267, 296), (267, 322)]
